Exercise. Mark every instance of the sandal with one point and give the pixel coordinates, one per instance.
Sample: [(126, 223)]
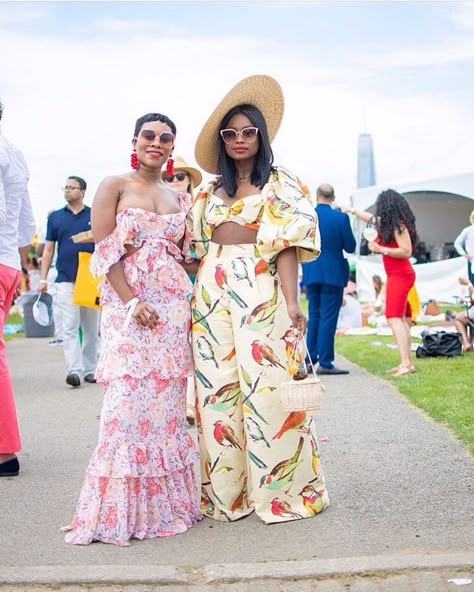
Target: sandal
[(404, 370), (392, 370), (190, 416)]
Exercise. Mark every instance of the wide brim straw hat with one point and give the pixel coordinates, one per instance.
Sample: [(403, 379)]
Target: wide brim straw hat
[(259, 90), (181, 165)]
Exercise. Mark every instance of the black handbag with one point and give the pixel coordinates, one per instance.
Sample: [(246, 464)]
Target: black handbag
[(364, 247), (439, 344)]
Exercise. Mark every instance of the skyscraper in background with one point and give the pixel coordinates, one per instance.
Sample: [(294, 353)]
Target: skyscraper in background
[(365, 161)]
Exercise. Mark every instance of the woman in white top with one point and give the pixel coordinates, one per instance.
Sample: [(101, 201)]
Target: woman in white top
[(464, 245)]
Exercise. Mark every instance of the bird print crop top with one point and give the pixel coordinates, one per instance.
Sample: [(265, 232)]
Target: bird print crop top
[(283, 214), (246, 212)]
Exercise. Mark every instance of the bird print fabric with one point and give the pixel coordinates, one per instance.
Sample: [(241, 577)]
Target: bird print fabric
[(283, 214), (254, 455)]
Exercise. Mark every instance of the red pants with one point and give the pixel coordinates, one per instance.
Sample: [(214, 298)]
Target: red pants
[(9, 434)]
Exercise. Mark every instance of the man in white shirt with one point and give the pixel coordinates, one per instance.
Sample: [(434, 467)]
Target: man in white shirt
[(17, 228)]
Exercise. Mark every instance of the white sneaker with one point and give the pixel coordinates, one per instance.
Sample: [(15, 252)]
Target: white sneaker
[(55, 342)]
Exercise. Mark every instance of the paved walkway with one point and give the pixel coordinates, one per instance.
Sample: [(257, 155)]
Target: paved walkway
[(401, 487)]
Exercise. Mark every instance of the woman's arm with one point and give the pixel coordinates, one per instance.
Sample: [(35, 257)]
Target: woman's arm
[(287, 267), (103, 222), (365, 216), (460, 242), (403, 250)]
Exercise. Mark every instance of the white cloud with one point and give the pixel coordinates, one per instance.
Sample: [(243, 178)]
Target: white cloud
[(71, 106), (463, 16), (16, 15), (134, 27)]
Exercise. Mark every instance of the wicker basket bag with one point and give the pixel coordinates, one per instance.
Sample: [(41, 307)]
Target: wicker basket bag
[(300, 394)]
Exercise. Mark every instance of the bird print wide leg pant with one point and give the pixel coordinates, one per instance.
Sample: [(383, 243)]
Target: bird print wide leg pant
[(254, 455)]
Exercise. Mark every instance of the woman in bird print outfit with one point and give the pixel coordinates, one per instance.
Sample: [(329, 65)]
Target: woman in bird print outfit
[(250, 227)]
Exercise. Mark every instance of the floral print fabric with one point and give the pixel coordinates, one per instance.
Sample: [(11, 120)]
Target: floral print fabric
[(140, 482)]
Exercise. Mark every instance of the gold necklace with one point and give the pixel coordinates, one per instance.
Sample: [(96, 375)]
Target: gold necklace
[(243, 178)]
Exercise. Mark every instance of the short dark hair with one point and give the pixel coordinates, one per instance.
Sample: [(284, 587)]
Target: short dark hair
[(80, 180), (325, 193), (1, 110), (263, 159), (153, 117)]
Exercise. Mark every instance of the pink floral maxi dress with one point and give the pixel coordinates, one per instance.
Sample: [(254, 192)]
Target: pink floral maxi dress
[(140, 482)]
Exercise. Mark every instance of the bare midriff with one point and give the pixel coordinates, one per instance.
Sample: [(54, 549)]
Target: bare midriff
[(231, 233)]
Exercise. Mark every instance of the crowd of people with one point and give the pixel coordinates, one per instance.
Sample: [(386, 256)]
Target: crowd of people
[(199, 318)]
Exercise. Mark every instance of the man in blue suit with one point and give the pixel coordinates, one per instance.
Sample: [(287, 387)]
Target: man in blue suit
[(325, 279)]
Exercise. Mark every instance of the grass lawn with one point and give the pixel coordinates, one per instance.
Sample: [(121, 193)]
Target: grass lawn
[(441, 386)]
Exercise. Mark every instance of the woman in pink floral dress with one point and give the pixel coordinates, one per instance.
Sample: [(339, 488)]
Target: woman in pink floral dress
[(140, 482)]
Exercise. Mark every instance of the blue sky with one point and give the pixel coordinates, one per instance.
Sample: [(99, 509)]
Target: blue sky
[(74, 76)]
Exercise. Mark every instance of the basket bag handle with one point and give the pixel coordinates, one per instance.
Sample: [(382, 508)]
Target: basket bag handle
[(293, 362)]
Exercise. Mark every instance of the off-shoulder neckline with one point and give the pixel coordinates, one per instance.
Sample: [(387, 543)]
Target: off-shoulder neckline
[(150, 212)]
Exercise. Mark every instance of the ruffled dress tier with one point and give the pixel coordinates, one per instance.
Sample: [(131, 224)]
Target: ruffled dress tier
[(140, 482)]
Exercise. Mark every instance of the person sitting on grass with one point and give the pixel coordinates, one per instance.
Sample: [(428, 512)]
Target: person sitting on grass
[(350, 316), (464, 321)]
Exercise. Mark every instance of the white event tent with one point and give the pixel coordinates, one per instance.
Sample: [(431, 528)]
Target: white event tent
[(442, 208)]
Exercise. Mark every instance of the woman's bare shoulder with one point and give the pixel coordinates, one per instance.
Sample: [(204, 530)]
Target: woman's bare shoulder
[(112, 188), (116, 181)]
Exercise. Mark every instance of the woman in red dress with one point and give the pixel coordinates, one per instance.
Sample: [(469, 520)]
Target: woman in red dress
[(396, 240)]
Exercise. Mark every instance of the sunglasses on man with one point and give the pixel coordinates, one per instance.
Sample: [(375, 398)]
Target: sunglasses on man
[(179, 177)]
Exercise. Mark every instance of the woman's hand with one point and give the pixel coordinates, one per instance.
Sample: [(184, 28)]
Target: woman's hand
[(297, 317), (146, 316), (375, 247)]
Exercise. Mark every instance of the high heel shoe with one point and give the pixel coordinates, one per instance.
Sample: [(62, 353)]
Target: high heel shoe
[(404, 370), (10, 467)]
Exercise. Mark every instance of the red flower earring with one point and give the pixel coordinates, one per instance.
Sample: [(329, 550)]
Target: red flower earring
[(170, 166), (134, 160)]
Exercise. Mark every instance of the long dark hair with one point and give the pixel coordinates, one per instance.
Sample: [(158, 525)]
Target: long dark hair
[(153, 117), (263, 159), (393, 213)]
